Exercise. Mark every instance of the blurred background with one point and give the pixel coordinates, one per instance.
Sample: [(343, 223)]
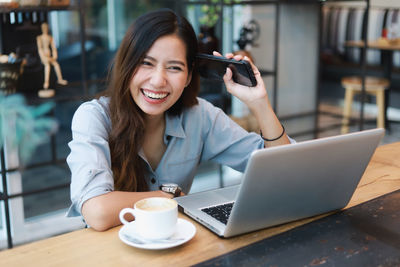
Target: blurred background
[(301, 47)]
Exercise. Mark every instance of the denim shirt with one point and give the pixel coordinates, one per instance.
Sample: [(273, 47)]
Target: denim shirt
[(201, 133)]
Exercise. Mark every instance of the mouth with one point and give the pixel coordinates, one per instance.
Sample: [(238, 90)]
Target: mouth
[(154, 95)]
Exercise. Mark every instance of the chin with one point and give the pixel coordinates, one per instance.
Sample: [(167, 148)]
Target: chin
[(154, 111)]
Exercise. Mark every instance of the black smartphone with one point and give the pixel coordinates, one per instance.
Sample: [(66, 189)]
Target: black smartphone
[(214, 67)]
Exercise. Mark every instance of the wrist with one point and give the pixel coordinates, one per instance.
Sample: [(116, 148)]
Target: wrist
[(172, 189), (275, 138), (165, 194), (261, 109)]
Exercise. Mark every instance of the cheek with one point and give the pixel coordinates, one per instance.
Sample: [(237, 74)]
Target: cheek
[(132, 88), (137, 77), (132, 92), (188, 79), (184, 81), (181, 87), (135, 82)]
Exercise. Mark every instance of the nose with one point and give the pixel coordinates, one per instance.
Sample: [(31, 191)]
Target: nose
[(158, 78)]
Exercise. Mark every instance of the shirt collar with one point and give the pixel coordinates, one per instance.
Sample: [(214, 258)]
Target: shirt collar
[(174, 126)]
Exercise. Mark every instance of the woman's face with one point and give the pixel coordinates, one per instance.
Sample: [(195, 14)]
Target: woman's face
[(162, 76)]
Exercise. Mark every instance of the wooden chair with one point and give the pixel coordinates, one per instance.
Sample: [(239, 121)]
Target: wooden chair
[(373, 86)]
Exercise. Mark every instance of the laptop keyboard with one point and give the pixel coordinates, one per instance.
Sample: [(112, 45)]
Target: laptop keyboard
[(220, 212)]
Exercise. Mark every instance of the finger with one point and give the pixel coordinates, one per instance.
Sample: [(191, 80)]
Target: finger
[(228, 74), (248, 59), (238, 57), (215, 53), (255, 70), (253, 67), (229, 55), (228, 78)]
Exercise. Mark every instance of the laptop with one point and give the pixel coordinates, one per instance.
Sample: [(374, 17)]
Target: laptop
[(286, 183)]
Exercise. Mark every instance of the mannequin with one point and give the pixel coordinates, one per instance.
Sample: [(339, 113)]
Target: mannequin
[(48, 55)]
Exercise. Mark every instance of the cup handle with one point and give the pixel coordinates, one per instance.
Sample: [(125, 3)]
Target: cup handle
[(123, 212)]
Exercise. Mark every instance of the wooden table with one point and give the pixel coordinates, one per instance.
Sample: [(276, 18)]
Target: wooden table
[(387, 49), (378, 45), (89, 248)]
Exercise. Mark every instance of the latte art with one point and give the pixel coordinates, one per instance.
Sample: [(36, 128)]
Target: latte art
[(156, 204)]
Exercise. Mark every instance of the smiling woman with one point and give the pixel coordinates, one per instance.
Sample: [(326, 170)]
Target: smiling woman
[(150, 128), (162, 76)]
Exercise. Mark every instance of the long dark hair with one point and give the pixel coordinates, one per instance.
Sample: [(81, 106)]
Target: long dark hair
[(127, 133)]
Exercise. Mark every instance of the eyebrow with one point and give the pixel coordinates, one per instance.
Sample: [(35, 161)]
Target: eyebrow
[(169, 62)]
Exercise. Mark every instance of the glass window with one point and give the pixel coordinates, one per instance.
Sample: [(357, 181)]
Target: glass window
[(105, 24)]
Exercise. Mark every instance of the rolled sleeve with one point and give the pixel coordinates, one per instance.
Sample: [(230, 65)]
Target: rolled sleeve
[(89, 160)]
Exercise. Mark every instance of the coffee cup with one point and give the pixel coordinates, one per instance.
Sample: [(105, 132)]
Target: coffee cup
[(155, 218)]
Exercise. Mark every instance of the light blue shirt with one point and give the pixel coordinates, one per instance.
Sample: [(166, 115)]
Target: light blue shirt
[(201, 133)]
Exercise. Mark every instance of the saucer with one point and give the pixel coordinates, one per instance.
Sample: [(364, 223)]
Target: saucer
[(185, 231)]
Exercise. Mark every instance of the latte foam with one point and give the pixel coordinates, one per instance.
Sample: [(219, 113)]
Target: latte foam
[(156, 204)]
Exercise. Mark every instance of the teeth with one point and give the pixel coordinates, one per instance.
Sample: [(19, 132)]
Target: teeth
[(154, 95)]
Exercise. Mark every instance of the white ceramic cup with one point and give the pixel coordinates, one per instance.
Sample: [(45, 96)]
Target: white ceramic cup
[(155, 217)]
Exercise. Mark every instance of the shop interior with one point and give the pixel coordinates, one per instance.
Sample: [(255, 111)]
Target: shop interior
[(304, 49)]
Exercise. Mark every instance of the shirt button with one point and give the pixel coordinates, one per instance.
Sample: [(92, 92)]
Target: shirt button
[(153, 181)]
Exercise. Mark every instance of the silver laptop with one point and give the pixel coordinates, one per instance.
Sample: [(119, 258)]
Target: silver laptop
[(286, 183)]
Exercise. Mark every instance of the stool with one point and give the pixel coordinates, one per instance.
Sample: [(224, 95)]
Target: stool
[(373, 86)]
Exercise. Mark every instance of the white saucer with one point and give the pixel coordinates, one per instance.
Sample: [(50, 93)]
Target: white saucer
[(185, 231)]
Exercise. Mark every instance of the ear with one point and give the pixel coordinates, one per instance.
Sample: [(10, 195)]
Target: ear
[(189, 78)]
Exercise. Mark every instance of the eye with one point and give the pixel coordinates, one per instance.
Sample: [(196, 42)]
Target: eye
[(147, 63), (175, 68)]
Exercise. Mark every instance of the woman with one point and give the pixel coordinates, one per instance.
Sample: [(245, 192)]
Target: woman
[(151, 129)]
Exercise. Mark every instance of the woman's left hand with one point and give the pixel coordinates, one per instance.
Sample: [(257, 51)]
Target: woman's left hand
[(256, 99), (251, 96)]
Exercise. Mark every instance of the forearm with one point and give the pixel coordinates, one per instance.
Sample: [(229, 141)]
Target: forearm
[(102, 212), (269, 124), (256, 99)]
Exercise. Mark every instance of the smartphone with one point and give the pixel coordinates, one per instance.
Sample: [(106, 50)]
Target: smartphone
[(214, 67)]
